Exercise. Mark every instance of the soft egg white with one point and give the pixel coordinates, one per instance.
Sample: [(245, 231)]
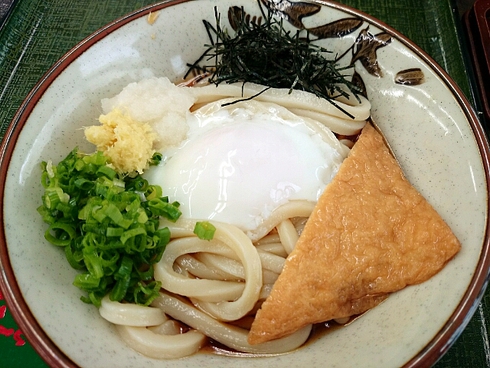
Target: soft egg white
[(242, 161)]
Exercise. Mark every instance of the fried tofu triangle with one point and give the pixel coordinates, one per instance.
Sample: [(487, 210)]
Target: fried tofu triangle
[(370, 234)]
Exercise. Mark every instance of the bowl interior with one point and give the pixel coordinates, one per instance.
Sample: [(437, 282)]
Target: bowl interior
[(429, 126)]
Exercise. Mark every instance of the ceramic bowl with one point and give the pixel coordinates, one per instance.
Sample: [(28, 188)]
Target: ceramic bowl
[(430, 126)]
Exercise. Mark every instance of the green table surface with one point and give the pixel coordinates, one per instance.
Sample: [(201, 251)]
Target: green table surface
[(39, 32)]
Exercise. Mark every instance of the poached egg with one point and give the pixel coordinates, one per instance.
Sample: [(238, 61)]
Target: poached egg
[(243, 160)]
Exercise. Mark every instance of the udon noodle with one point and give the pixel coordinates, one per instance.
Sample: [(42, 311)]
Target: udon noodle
[(211, 289)]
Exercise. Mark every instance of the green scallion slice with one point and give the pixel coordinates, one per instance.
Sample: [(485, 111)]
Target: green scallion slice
[(108, 225)]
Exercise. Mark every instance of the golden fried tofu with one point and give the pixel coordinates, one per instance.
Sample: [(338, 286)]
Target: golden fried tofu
[(371, 233)]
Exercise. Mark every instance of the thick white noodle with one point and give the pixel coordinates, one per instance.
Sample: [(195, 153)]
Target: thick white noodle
[(321, 127), (130, 314), (269, 239), (203, 289), (228, 308), (288, 235), (347, 143), (269, 277), (274, 248), (235, 269), (180, 228), (169, 327), (295, 99), (266, 290), (271, 262), (158, 346), (224, 255), (195, 266), (336, 124), (226, 265), (297, 208), (229, 335), (291, 209), (342, 321)]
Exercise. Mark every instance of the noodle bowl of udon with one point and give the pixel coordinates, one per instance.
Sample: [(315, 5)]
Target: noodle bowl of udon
[(212, 288)]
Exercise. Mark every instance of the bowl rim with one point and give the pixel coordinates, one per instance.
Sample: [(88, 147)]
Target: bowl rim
[(54, 356)]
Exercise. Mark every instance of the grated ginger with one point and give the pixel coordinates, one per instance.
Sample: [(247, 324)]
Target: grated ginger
[(126, 142), (158, 102)]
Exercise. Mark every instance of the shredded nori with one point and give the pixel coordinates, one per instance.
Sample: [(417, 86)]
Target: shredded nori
[(264, 52)]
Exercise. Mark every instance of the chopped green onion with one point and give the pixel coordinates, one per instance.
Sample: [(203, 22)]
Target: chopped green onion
[(124, 269), (53, 197), (161, 207), (156, 159), (93, 263), (86, 281), (108, 225), (204, 230), (84, 184), (153, 191), (60, 234), (107, 171), (114, 231), (120, 289), (146, 293), (116, 216), (132, 233), (75, 259)]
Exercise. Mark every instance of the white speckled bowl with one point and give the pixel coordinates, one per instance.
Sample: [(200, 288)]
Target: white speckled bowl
[(431, 127)]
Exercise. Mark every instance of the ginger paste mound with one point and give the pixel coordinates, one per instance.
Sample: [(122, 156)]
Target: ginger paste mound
[(126, 142), (145, 117), (370, 234)]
